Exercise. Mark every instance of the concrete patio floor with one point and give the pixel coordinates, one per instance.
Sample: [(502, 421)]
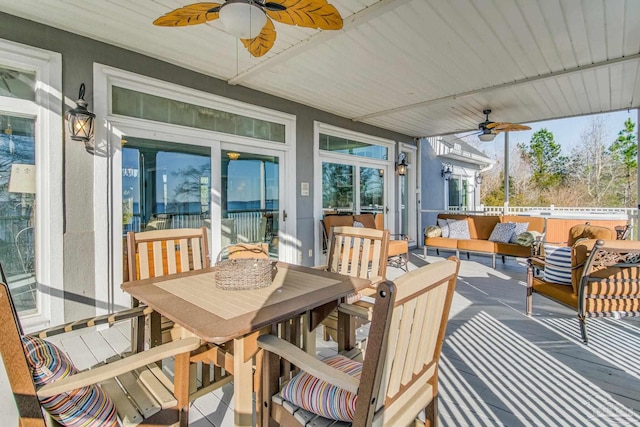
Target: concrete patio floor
[(498, 367)]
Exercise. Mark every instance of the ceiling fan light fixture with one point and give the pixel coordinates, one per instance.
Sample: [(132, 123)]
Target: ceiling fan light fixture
[(243, 19), (487, 136)]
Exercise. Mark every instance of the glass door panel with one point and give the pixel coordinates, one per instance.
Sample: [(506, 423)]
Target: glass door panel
[(165, 185), (250, 199), (17, 205), (371, 190), (338, 195)]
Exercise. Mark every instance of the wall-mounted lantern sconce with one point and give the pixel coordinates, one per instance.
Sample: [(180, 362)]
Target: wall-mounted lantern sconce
[(402, 165), (80, 119), (447, 171), (478, 179)]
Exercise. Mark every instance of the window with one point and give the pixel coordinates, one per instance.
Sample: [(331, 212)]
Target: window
[(458, 193), (31, 214)]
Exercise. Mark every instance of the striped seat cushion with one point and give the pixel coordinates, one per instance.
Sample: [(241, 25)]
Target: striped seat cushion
[(86, 407), (321, 398), (557, 268)]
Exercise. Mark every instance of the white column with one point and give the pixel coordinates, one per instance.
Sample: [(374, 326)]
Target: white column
[(506, 172)]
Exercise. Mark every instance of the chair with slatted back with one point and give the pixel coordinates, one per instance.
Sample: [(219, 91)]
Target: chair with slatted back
[(162, 252), (398, 378), (48, 390), (359, 252)]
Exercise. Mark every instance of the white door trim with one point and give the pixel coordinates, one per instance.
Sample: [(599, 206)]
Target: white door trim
[(108, 180)]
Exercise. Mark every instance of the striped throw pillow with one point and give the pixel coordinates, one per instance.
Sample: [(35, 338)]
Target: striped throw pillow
[(86, 407), (558, 264), (321, 398)]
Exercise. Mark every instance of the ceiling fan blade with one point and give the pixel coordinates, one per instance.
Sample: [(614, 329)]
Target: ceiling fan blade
[(194, 14), (275, 7), (309, 13), (263, 43), (507, 127)]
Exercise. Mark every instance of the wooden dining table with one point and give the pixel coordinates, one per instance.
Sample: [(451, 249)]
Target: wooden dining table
[(218, 316)]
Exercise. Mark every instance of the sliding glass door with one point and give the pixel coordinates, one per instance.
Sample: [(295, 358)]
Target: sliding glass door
[(250, 202), (165, 185)]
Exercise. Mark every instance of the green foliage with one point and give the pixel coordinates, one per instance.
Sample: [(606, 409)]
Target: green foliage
[(624, 149), (544, 157)]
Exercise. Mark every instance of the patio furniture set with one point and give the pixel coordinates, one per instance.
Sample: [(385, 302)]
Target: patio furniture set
[(262, 339), (221, 329)]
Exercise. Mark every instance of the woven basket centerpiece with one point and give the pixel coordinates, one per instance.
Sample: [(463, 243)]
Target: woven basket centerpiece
[(245, 272)]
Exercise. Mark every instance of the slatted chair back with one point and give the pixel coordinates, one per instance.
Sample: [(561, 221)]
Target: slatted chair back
[(151, 400), (399, 377), (359, 252), (161, 252), (409, 343)]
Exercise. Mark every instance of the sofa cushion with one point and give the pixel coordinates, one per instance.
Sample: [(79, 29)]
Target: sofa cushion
[(441, 242), (558, 292), (458, 229), (481, 226), (367, 220), (476, 245), (557, 264), (536, 223), (321, 398), (330, 221), (528, 238), (502, 232), (433, 231), (444, 227), (512, 249), (520, 227), (87, 406)]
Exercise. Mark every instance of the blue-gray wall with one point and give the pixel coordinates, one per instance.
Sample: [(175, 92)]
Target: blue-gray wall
[(78, 55)]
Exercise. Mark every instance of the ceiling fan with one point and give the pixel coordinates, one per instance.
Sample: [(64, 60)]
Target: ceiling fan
[(251, 20), (489, 129)]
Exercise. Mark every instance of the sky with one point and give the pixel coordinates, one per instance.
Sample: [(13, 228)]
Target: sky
[(566, 132)]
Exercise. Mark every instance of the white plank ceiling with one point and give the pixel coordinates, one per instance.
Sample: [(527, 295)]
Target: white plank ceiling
[(419, 67)]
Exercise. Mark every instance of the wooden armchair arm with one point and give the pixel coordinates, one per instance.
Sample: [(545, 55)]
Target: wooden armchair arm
[(356, 310), (109, 319), (119, 367), (308, 363)]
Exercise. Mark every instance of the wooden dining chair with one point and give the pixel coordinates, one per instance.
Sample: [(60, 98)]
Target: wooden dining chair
[(49, 390), (164, 252), (358, 252), (160, 253), (396, 381)]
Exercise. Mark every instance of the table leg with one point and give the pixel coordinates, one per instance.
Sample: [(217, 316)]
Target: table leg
[(242, 384)]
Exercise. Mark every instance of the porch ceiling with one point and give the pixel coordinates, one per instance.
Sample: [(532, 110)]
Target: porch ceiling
[(419, 67)]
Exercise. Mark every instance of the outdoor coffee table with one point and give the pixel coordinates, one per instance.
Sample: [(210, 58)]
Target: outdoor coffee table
[(217, 316)]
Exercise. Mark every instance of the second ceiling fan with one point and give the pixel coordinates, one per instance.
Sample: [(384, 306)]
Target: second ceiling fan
[(489, 129)]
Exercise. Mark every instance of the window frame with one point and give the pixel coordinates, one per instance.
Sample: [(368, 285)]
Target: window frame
[(47, 111)]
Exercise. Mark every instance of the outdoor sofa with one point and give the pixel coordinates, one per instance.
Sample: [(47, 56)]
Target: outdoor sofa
[(480, 229)]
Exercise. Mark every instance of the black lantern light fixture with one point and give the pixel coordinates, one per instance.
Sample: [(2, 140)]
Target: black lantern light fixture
[(402, 165), (478, 178), (447, 171), (80, 120)]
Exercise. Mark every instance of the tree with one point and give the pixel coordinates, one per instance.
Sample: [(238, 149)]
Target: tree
[(590, 169), (544, 156), (624, 152)]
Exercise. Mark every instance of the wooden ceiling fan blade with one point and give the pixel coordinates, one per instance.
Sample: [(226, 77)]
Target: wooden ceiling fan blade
[(275, 7), (511, 127), (193, 14), (310, 14), (263, 43)]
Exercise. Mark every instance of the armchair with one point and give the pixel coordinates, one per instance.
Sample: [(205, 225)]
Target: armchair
[(604, 280), (41, 376), (398, 378)]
